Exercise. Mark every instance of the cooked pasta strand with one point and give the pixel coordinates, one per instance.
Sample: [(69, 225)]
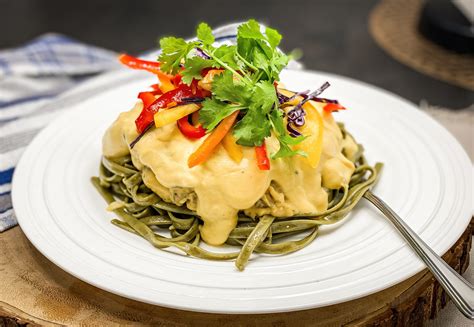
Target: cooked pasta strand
[(143, 213)]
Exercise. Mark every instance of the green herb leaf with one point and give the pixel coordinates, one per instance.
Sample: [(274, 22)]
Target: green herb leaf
[(227, 54), (250, 68), (278, 62), (264, 97), (259, 51), (252, 129), (193, 67), (273, 37), (285, 140), (250, 30), (173, 50), (285, 151), (225, 88), (255, 126), (213, 111), (204, 34)]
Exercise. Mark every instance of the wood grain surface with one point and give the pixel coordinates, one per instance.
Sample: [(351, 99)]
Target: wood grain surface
[(36, 292)]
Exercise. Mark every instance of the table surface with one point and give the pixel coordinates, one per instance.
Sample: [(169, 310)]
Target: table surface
[(332, 34)]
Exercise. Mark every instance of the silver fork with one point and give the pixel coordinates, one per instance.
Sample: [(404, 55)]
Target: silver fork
[(459, 290)]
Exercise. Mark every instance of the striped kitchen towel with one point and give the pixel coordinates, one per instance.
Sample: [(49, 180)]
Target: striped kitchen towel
[(31, 77), (33, 81)]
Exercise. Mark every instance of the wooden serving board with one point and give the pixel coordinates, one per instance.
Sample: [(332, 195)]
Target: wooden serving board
[(35, 291)]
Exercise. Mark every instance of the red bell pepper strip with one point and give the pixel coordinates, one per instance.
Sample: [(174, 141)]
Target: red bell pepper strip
[(146, 116), (330, 107), (147, 98), (156, 89), (156, 92), (151, 66), (176, 80), (135, 63), (263, 161), (190, 131)]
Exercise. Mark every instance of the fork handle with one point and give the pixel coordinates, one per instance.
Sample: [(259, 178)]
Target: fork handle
[(459, 290)]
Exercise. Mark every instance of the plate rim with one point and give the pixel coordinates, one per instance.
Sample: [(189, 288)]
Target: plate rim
[(22, 165)]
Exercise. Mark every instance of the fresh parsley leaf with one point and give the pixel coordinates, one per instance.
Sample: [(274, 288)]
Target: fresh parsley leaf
[(245, 48), (260, 50), (260, 60), (227, 54), (265, 48), (255, 126), (237, 97), (250, 30), (213, 111), (273, 37), (225, 88), (193, 67), (250, 37), (285, 140), (250, 40), (285, 151), (264, 97), (278, 62), (250, 68), (204, 34), (252, 129), (173, 50)]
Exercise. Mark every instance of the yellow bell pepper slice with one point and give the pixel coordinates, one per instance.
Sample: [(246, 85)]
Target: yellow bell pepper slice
[(289, 94), (233, 149), (165, 83), (314, 130), (168, 116)]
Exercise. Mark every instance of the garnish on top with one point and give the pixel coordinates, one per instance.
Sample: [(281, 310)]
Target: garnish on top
[(228, 92)]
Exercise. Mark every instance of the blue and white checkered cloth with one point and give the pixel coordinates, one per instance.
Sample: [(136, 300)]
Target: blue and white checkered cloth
[(32, 78)]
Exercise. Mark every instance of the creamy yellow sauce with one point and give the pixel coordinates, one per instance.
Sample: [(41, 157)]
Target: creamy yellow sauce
[(223, 187)]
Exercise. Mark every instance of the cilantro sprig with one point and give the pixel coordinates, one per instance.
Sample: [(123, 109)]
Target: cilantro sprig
[(247, 84)]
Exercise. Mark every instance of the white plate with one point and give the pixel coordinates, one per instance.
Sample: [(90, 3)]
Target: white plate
[(427, 180)]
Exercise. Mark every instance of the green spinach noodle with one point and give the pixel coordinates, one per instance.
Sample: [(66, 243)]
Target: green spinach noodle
[(144, 213)]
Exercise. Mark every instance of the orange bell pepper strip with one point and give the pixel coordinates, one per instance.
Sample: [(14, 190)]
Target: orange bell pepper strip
[(233, 149), (263, 162), (206, 149)]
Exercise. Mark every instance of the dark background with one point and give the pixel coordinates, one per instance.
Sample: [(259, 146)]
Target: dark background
[(332, 34)]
